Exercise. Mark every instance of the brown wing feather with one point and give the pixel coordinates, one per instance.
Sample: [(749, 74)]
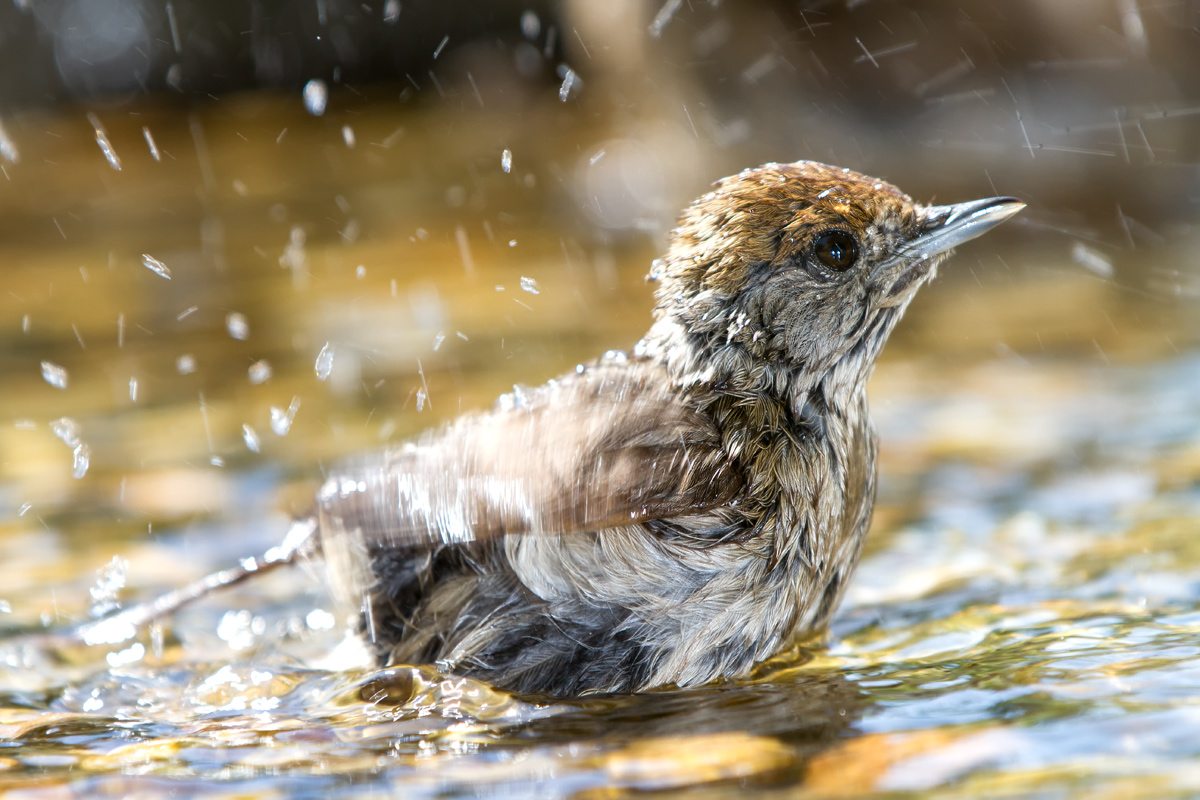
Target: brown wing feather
[(605, 447)]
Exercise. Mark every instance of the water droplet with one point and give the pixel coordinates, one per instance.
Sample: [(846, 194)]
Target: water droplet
[(185, 364), (1092, 260), (157, 267), (130, 655), (133, 390), (530, 285), (324, 364), (8, 148), (110, 580), (157, 156), (260, 372), (531, 26), (66, 429), (420, 399), (320, 620), (348, 136), (316, 96), (237, 629), (54, 374), (391, 11), (105, 146), (81, 458), (437, 340), (250, 438), (281, 421), (237, 326), (569, 82), (506, 161)]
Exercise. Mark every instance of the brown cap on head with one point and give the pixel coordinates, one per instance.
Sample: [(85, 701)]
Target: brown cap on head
[(767, 214)]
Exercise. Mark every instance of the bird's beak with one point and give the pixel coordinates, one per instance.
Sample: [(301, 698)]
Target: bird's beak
[(942, 229), (946, 227)]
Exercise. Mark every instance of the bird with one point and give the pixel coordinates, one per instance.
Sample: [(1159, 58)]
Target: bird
[(667, 516), (671, 515)]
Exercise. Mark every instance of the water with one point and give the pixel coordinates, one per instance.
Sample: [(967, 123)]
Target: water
[(157, 267), (1026, 619)]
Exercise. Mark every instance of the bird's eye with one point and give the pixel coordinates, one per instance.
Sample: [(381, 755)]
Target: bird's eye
[(836, 250)]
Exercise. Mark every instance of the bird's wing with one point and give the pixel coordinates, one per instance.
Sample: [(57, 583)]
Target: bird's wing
[(605, 447)]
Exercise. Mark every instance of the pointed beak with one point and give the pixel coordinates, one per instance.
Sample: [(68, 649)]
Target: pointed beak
[(946, 227), (942, 228)]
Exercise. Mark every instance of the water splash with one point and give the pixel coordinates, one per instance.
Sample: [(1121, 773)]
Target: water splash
[(81, 459), (316, 97), (281, 420), (570, 80), (110, 580), (8, 148), (157, 267), (324, 365), (54, 374), (237, 326), (260, 372), (530, 285), (66, 429), (250, 437), (154, 152), (105, 145), (506, 161)]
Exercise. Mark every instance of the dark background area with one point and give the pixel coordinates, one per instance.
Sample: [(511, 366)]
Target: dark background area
[(1086, 109)]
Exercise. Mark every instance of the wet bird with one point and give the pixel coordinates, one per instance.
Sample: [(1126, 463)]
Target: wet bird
[(672, 515), (664, 517)]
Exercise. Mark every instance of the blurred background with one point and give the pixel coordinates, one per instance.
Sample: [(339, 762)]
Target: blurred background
[(240, 240)]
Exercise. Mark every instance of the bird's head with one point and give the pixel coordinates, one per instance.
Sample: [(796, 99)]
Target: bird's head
[(803, 265)]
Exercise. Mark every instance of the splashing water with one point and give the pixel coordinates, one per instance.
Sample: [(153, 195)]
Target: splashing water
[(237, 326), (8, 148), (316, 96), (260, 372), (530, 285), (54, 374), (66, 429), (157, 267), (154, 153), (250, 437), (531, 26), (324, 364), (506, 161), (81, 459), (281, 421), (570, 79), (110, 580), (105, 145)]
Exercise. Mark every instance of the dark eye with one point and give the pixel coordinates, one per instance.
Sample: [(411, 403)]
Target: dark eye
[(836, 250)]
